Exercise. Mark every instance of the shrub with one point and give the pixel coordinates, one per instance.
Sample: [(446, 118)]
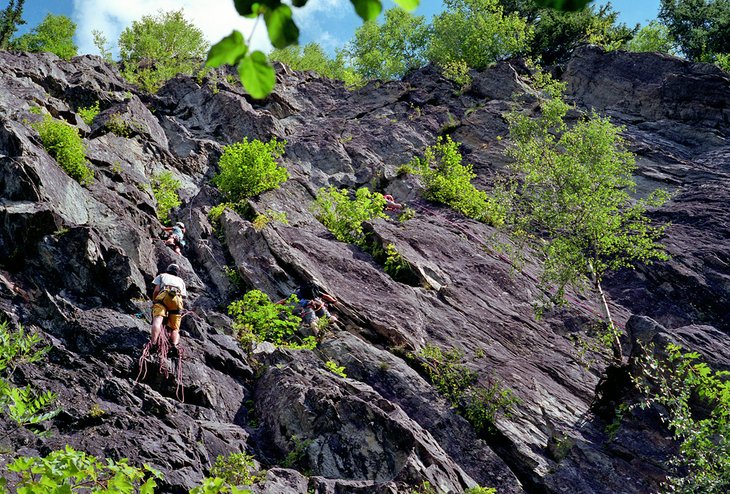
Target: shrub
[(235, 469), (63, 142), (447, 181), (25, 406), (458, 72), (116, 124), (66, 469), (164, 188), (335, 369), (694, 401), (479, 404), (89, 113), (344, 217), (256, 318), (249, 168), (395, 264), (262, 220)]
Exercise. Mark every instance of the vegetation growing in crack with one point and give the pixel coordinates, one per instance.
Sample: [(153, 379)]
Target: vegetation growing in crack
[(694, 402), (236, 469), (62, 141), (256, 318), (88, 113), (25, 406), (338, 370), (249, 168), (480, 404), (164, 188), (344, 217), (447, 181)]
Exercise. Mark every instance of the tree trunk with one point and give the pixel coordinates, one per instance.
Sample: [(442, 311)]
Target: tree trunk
[(616, 343)]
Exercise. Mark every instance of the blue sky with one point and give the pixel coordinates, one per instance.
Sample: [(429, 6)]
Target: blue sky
[(328, 22)]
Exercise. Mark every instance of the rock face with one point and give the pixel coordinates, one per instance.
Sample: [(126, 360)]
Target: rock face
[(77, 263)]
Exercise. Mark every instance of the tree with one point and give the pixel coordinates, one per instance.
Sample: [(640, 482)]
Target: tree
[(54, 34), (312, 57), (476, 32), (701, 28), (654, 37), (156, 48), (557, 33), (10, 18), (389, 50), (572, 190)]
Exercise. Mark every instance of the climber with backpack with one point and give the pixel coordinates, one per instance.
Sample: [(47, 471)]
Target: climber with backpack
[(175, 236), (167, 303), (313, 305)]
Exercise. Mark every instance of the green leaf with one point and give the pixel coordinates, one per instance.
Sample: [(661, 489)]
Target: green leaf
[(257, 75), (245, 7), (299, 3), (408, 5), (368, 10), (229, 50), (567, 5), (282, 30)]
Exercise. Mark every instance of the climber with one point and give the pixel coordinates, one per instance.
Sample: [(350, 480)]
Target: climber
[(176, 236), (391, 205), (167, 303), (313, 305)]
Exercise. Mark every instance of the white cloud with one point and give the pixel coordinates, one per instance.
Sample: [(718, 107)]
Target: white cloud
[(216, 18)]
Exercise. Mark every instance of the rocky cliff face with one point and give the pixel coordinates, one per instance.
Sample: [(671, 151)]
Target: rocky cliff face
[(77, 263)]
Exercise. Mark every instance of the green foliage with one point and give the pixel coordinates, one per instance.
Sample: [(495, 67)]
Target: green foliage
[(722, 60), (249, 168), (256, 318), (395, 264), (573, 187), (116, 124), (344, 217), (164, 188), (96, 411), (10, 18), (256, 73), (448, 182), (558, 32), (63, 142), (654, 37), (262, 220), (156, 48), (54, 34), (215, 485), (476, 32), (71, 471), (235, 469), (101, 44), (214, 215), (335, 369), (389, 50), (694, 401), (313, 57), (25, 406), (297, 455), (481, 490), (479, 404), (700, 28), (457, 71), (89, 113)]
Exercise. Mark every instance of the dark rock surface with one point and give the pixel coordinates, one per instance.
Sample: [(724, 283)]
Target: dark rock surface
[(77, 263)]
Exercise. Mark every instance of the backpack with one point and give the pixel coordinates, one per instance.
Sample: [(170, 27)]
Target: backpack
[(308, 291)]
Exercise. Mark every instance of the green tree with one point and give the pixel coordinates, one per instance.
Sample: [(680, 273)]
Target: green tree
[(654, 37), (477, 32), (557, 32), (54, 34), (344, 216), (10, 18), (313, 57), (156, 48), (701, 28), (573, 189), (389, 50)]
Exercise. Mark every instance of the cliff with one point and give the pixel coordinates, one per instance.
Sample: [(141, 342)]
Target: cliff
[(77, 264)]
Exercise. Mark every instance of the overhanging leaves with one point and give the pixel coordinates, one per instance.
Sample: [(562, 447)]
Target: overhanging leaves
[(408, 4), (229, 50), (566, 5), (257, 75), (368, 10), (282, 30)]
